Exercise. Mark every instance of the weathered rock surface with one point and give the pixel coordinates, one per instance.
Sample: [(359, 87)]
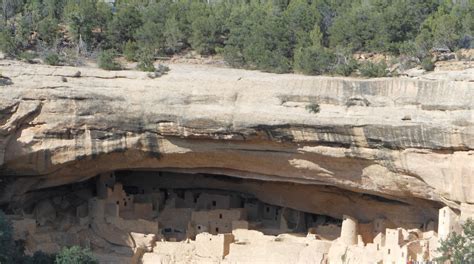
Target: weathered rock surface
[(409, 140)]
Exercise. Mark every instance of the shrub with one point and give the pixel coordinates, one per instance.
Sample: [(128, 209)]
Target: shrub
[(173, 35), (124, 25), (27, 56), (233, 56), (203, 37), (130, 50), (70, 57), (313, 108), (427, 64), (52, 59), (458, 248), (371, 70), (107, 61), (314, 60), (146, 60), (406, 62), (7, 43), (75, 255), (48, 30), (346, 69)]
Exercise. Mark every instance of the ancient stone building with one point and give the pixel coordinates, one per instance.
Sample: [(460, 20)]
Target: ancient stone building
[(448, 222), (349, 230), (219, 227)]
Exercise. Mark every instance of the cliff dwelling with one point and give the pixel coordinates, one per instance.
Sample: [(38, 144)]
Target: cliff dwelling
[(215, 165), (236, 132), (135, 215)]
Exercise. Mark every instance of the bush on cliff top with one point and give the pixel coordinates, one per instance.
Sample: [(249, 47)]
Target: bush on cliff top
[(372, 70), (268, 35), (106, 60)]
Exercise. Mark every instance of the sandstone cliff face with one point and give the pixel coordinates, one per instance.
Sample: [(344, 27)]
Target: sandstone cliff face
[(409, 140)]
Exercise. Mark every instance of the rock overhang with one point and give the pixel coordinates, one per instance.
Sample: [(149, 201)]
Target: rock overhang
[(391, 137)]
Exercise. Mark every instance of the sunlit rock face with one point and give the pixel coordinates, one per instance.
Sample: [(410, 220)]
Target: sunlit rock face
[(404, 140)]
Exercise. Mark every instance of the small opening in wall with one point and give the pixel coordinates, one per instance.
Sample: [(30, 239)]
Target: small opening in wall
[(220, 216), (214, 203), (217, 229), (117, 202)]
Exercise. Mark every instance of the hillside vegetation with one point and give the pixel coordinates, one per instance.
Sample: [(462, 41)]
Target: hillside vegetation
[(307, 36)]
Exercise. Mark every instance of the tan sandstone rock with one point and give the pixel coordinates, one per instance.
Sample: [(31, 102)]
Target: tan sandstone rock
[(250, 125)]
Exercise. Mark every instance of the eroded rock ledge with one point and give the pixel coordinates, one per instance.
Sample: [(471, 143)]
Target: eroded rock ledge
[(408, 140)]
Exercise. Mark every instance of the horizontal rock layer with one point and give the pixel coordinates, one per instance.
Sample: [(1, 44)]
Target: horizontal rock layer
[(398, 138)]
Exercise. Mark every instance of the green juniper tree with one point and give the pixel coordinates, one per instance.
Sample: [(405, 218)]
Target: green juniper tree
[(459, 248), (8, 44), (268, 35), (173, 35), (124, 25), (106, 60)]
